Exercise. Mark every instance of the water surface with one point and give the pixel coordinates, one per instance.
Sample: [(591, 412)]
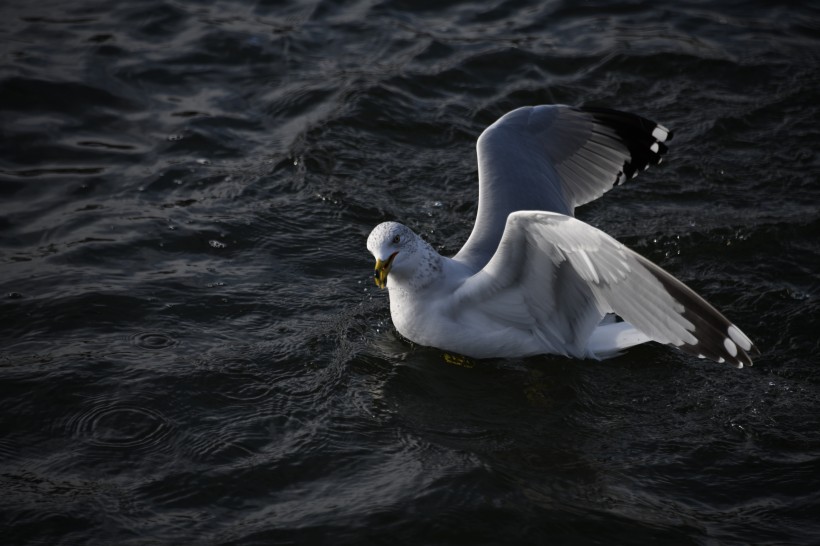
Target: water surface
[(192, 351)]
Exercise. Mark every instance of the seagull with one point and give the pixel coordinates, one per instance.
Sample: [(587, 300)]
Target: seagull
[(531, 278)]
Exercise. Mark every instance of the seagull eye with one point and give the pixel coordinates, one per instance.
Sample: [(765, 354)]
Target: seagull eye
[(396, 240)]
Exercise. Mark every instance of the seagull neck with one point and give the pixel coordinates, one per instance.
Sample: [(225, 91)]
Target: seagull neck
[(430, 264)]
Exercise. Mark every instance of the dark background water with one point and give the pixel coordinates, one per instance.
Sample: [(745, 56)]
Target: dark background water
[(191, 348)]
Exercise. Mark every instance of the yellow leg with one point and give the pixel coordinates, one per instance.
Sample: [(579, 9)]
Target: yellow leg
[(458, 360)]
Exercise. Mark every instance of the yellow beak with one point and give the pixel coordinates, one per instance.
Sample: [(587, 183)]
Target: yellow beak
[(382, 269)]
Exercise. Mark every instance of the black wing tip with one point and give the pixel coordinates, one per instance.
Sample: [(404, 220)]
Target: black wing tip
[(645, 139), (735, 348), (716, 338)]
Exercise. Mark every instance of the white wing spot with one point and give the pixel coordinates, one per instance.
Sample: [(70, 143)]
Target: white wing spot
[(660, 133), (739, 337), (731, 348), (655, 148)]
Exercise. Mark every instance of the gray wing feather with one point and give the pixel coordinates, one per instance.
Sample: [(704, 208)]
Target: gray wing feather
[(553, 158)]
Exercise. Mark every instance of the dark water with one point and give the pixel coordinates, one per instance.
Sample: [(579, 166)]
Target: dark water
[(191, 348)]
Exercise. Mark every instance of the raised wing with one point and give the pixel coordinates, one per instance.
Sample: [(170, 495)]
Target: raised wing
[(554, 158), (570, 274)]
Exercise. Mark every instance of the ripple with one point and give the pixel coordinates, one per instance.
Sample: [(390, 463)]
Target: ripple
[(119, 425), (153, 341), (241, 385), (235, 364), (241, 379), (248, 388), (227, 443)]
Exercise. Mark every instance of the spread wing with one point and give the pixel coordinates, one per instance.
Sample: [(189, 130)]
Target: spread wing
[(554, 158), (568, 275)]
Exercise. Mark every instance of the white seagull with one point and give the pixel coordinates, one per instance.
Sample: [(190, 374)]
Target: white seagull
[(532, 279)]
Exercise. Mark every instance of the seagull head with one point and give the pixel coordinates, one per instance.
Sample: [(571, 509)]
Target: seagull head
[(396, 248)]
